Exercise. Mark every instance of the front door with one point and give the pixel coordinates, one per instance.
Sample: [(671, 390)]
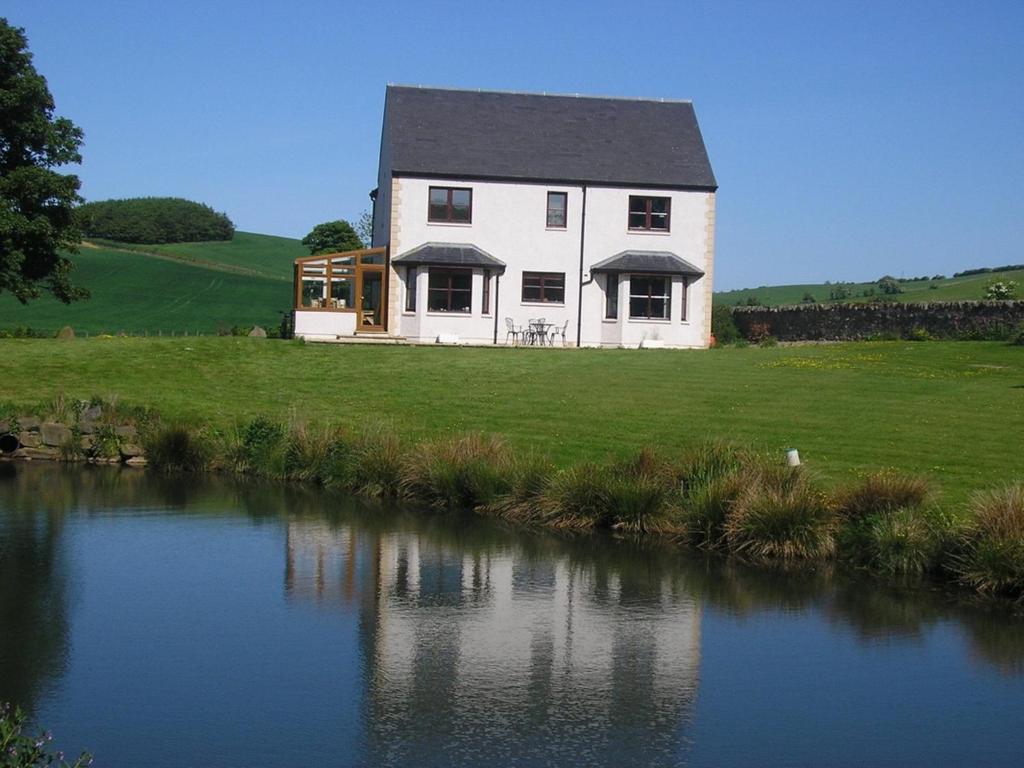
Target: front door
[(371, 304)]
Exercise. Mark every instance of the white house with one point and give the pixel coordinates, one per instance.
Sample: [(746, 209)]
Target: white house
[(493, 209)]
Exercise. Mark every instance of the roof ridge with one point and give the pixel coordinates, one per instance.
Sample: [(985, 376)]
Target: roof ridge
[(654, 99)]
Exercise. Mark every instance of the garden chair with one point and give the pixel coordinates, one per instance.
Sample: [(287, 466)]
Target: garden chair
[(530, 332), (557, 332), (512, 332)]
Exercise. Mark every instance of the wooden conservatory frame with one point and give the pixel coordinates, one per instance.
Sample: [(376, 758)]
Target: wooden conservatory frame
[(362, 268)]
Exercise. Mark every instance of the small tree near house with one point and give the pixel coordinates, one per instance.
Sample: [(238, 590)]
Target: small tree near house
[(331, 237)]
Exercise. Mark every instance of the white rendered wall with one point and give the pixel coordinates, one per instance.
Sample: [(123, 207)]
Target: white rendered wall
[(509, 222), (324, 325)]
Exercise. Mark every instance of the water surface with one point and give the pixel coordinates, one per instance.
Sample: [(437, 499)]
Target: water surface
[(211, 623)]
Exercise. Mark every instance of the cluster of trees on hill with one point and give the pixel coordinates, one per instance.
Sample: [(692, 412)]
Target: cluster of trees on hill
[(986, 270), (154, 220)]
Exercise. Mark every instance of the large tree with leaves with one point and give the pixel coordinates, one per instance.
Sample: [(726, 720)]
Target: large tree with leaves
[(37, 204), (332, 237)]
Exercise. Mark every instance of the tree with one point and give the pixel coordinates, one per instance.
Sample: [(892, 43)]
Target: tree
[(809, 298), (364, 228), (37, 204), (889, 285), (331, 237)]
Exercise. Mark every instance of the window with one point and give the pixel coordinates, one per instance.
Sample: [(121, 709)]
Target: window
[(450, 204), (410, 289), (544, 287), (611, 297), (450, 290), (486, 309), (557, 204), (650, 297), (649, 213), (686, 286)]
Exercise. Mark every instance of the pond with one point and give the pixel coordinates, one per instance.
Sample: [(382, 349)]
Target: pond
[(185, 622)]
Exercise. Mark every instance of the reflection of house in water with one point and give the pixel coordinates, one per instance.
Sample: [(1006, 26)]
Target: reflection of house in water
[(494, 653)]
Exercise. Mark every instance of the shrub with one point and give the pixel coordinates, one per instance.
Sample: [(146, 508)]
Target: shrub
[(723, 327), (154, 220), (889, 285), (262, 450), (784, 517), (576, 498), (881, 492), (175, 449), (704, 508), (917, 333), (839, 293), (992, 558), (1000, 290), (808, 298), (462, 473), (19, 750)]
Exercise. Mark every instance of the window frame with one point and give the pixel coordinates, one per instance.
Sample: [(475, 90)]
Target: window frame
[(648, 204), (611, 296), (684, 298), (485, 299), (450, 208), (450, 292), (542, 276), (564, 210), (666, 315), (411, 274)]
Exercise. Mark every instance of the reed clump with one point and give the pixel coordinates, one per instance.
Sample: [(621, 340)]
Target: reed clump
[(781, 514), (175, 448), (992, 557), (459, 473), (881, 492)]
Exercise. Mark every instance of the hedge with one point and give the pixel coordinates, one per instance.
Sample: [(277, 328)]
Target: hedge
[(994, 320)]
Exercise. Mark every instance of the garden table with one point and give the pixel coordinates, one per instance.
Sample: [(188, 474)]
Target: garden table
[(540, 332)]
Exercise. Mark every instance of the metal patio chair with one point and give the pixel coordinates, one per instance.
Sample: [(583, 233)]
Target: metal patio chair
[(512, 332), (557, 332)]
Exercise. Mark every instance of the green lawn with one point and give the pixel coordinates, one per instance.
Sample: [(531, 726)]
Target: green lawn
[(138, 293), (952, 410), (970, 288)]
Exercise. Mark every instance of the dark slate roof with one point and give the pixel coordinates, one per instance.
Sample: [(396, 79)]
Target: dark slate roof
[(449, 255), (658, 262), (540, 137)]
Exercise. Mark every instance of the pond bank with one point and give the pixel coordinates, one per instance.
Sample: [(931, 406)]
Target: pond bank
[(713, 496)]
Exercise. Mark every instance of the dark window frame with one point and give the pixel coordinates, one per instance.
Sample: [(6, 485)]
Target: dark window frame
[(651, 296), (485, 301), (543, 278), (648, 218), (564, 210), (449, 291), (410, 289), (684, 298), (449, 207), (611, 296)]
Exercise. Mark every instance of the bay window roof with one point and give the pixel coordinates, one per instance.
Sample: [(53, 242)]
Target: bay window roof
[(648, 262)]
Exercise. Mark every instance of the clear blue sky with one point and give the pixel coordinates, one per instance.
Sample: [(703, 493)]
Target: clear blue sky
[(849, 139)]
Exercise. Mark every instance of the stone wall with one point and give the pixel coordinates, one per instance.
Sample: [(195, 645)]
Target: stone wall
[(851, 322), (89, 435)]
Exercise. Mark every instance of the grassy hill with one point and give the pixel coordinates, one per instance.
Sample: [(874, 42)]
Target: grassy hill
[(185, 287), (969, 288)]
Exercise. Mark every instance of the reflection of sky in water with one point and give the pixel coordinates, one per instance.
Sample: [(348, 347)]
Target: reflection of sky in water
[(169, 623)]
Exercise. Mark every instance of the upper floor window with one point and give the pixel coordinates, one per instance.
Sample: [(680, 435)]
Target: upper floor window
[(557, 204), (544, 287), (451, 204), (649, 213), (650, 297)]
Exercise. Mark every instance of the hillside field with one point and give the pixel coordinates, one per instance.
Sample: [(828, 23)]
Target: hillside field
[(969, 288), (181, 288), (951, 410)]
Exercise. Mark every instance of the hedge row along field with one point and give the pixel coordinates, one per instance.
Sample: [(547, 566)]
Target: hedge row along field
[(153, 220), (962, 320), (712, 495)]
